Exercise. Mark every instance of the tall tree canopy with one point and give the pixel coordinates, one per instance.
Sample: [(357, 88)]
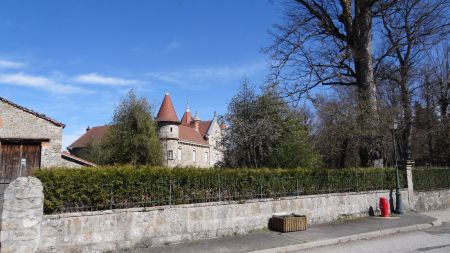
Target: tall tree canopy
[(132, 137), (409, 29), (330, 42), (264, 131)]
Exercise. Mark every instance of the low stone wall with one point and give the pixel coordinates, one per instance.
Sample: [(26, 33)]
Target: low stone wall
[(110, 230), (432, 200), (26, 229)]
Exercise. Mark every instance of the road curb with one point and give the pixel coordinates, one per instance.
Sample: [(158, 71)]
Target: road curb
[(334, 241)]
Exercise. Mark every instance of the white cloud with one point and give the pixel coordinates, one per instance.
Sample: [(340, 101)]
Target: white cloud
[(199, 75), (94, 78), (4, 64), (39, 82), (174, 45)]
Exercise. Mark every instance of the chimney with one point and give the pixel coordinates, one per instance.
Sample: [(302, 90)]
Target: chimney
[(196, 122)]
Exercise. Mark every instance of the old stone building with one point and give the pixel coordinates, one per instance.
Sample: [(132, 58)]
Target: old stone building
[(30, 140), (191, 141), (186, 142)]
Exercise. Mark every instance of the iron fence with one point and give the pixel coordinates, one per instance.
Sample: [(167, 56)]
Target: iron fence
[(81, 196), (431, 178)]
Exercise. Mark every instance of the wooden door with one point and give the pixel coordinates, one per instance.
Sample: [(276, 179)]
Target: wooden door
[(18, 159)]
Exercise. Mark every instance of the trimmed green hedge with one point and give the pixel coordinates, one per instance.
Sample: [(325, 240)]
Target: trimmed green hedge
[(431, 178), (68, 190)]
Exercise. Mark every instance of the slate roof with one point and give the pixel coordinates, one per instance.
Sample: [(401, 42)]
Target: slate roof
[(39, 115)]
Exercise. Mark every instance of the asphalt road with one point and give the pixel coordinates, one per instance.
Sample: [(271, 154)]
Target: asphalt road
[(429, 241)]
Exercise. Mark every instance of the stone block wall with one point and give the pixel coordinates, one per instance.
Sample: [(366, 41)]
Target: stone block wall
[(22, 216), (431, 200), (114, 229), (19, 124), (26, 229)]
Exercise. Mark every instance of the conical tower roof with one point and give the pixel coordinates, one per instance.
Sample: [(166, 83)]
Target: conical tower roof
[(187, 117), (167, 111)]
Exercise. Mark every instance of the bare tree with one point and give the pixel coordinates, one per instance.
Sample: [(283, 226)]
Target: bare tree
[(431, 143), (438, 68), (330, 43), (410, 28)]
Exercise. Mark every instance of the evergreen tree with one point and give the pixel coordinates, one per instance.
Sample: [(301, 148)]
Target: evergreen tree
[(264, 131), (132, 137)]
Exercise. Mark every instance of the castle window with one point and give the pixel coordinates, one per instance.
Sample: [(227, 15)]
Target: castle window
[(194, 155), (179, 154), (170, 155), (171, 130), (206, 157)]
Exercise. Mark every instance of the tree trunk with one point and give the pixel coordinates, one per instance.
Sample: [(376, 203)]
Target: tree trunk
[(405, 100), (369, 151)]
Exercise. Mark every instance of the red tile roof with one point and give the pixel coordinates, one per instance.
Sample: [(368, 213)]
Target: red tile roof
[(39, 115), (166, 111), (222, 125), (93, 134), (188, 134), (204, 126), (67, 156), (187, 118)]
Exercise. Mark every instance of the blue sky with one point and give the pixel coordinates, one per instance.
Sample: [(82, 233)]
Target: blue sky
[(74, 60)]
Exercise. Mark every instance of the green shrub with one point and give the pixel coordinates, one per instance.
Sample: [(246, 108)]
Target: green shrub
[(433, 178), (68, 190)]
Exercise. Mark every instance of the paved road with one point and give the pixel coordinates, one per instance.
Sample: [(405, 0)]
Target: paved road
[(430, 241)]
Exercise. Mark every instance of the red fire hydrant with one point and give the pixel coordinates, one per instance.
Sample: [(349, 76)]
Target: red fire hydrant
[(384, 207)]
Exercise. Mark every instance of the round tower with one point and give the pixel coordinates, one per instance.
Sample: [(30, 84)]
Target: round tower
[(167, 120)]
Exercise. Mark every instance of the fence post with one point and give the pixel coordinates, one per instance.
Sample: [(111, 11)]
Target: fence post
[(448, 176), (328, 181), (260, 187), (357, 182), (170, 192), (22, 215), (408, 165)]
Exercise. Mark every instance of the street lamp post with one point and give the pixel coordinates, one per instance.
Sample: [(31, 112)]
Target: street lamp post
[(398, 196)]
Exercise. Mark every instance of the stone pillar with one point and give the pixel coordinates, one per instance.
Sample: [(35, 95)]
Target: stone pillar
[(22, 215), (408, 166)]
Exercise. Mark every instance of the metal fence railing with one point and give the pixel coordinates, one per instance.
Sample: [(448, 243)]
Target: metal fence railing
[(431, 178), (77, 196)]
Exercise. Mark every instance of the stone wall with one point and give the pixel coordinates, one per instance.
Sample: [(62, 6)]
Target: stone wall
[(22, 216), (26, 229), (110, 230), (23, 125), (18, 124), (431, 200), (115, 229)]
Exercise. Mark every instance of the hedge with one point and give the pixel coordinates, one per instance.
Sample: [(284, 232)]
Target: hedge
[(69, 190), (431, 178)]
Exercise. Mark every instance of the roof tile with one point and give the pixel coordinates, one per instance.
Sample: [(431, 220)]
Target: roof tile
[(167, 111), (93, 134), (189, 134)]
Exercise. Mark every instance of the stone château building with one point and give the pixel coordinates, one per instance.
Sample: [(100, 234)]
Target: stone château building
[(189, 141), (186, 142)]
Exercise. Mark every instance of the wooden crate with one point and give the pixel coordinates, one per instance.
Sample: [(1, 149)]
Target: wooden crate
[(288, 223)]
